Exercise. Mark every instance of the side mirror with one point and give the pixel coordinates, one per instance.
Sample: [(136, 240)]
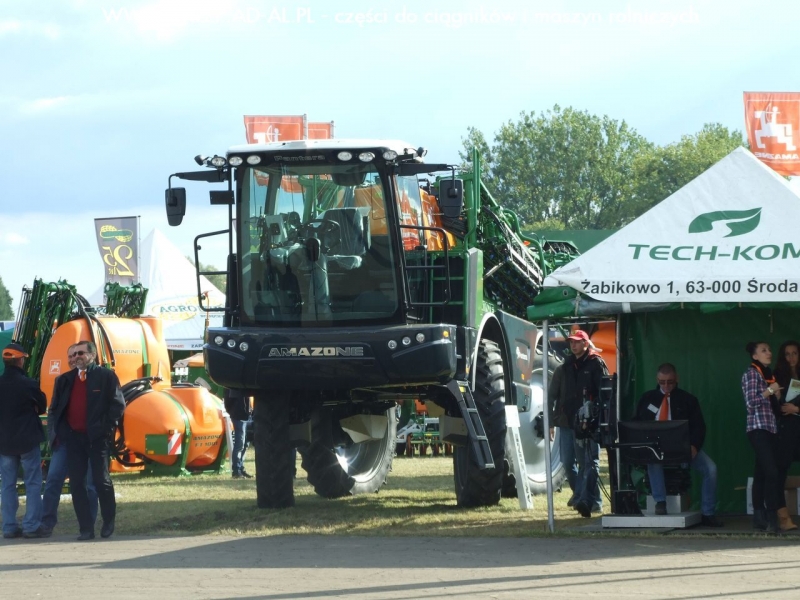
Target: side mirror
[(176, 205), (451, 197)]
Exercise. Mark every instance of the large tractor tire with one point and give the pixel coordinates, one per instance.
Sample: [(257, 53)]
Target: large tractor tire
[(275, 461), (474, 486), (533, 437), (356, 469)]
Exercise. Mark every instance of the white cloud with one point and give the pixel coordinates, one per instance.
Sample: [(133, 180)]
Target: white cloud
[(63, 246), (13, 239), (167, 20), (50, 31), (85, 103), (44, 104)]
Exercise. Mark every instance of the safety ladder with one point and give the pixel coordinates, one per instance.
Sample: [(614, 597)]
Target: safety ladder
[(477, 434)]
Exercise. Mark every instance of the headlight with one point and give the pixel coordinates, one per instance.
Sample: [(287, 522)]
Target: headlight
[(253, 159), (390, 155), (366, 156), (235, 161), (218, 340), (218, 161), (244, 346), (344, 156), (231, 344), (392, 345)]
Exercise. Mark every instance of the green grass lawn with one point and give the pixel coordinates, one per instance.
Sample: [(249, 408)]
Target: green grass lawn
[(417, 500)]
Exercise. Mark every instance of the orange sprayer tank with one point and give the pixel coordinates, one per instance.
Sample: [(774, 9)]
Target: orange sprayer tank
[(138, 346), (167, 412)]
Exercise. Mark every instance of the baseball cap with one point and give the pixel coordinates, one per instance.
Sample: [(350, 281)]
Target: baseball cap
[(579, 336), (14, 351)]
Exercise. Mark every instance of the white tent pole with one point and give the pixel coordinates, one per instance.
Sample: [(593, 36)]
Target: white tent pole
[(546, 424), (138, 249), (616, 399)]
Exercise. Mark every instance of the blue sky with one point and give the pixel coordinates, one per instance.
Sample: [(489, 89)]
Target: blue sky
[(101, 101)]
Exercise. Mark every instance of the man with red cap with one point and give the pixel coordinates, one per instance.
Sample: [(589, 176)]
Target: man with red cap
[(582, 377), (21, 432)]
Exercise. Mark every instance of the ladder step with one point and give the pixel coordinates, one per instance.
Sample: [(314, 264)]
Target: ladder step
[(476, 433)]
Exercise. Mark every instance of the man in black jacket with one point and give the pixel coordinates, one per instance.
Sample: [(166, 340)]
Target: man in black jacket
[(667, 402), (583, 375), (21, 403), (86, 407), (238, 407)]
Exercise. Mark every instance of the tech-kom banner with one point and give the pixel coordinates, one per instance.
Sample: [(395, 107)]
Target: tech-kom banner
[(270, 128), (118, 242), (773, 129), (729, 235)]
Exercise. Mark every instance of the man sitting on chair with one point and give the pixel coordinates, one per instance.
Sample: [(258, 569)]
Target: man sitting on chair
[(668, 402)]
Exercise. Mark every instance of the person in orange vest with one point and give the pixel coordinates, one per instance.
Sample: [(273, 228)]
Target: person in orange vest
[(668, 402)]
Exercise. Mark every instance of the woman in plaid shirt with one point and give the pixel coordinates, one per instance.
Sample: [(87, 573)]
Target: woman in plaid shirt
[(762, 397)]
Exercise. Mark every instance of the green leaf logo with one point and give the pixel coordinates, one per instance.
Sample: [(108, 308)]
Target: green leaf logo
[(738, 221)]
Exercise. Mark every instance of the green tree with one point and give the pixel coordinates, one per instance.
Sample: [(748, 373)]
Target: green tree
[(563, 168), (6, 312), (475, 139), (663, 170)]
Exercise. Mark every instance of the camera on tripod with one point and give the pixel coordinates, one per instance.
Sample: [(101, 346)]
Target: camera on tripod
[(596, 419)]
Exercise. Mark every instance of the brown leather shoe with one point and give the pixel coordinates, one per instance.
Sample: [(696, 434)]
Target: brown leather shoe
[(784, 520)]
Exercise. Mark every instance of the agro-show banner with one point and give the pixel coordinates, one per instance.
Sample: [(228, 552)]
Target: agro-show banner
[(265, 129), (118, 242), (773, 129), (320, 131)]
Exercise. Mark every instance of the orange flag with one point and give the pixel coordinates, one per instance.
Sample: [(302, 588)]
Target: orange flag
[(320, 131), (773, 129), (265, 129)]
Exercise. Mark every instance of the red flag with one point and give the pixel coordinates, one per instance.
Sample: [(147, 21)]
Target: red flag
[(773, 129)]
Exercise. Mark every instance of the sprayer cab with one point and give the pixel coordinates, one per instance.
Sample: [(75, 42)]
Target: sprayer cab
[(327, 231)]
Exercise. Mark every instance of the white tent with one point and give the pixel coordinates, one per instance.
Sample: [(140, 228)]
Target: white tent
[(730, 235), (172, 283), (726, 239)]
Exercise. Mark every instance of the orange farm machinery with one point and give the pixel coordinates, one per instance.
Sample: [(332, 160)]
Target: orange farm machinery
[(166, 429)]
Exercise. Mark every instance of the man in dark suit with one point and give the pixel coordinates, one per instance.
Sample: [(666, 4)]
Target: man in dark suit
[(21, 403), (667, 402), (86, 407)]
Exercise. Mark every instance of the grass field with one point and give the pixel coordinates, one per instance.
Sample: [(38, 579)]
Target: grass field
[(417, 500)]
